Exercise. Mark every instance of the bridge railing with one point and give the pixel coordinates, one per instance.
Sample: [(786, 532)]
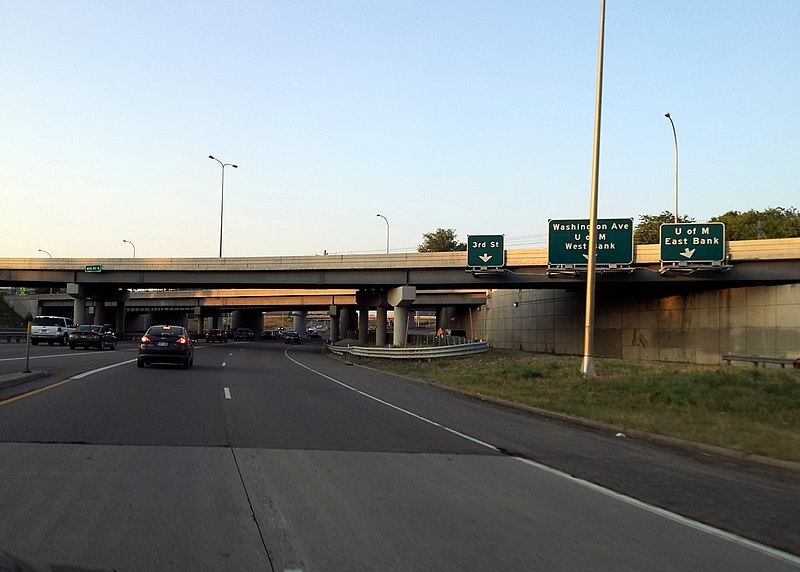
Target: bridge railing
[(413, 352)]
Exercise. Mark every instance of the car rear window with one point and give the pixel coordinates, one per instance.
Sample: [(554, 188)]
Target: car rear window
[(44, 321), (89, 328), (165, 331)]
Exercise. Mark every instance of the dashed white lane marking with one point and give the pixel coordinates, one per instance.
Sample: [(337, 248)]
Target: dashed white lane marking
[(223, 364), (773, 552), (227, 393)]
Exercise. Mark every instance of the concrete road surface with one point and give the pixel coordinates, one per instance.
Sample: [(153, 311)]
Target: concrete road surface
[(263, 458)]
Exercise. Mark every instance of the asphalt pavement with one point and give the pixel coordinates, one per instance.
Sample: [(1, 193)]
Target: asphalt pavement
[(268, 458)]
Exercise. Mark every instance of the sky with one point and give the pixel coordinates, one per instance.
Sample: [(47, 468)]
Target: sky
[(463, 114)]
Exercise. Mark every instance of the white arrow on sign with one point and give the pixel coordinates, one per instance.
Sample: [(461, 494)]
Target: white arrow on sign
[(586, 256), (687, 253), (486, 257)]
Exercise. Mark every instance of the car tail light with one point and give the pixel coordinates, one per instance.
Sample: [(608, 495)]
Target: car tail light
[(146, 339), (182, 340), (73, 335)]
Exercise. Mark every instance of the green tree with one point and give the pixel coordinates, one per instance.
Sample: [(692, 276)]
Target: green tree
[(646, 232), (775, 222), (443, 240)]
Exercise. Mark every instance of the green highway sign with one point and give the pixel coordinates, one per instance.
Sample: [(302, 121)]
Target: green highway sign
[(94, 268), (485, 251), (692, 242), (568, 241)]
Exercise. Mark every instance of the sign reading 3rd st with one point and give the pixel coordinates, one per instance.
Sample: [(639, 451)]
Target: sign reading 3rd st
[(692, 242), (568, 241), (485, 251)]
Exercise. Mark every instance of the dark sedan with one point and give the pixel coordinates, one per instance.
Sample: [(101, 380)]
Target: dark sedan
[(166, 344), (216, 336), (291, 337), (90, 336)]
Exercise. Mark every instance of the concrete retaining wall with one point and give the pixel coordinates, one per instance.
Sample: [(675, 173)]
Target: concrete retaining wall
[(695, 327)]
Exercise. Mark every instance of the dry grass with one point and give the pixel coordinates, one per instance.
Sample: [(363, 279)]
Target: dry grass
[(750, 410)]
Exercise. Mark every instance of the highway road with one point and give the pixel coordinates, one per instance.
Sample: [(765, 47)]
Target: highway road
[(268, 457)]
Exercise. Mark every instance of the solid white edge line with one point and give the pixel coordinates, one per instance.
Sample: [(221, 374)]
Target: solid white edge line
[(227, 393), (729, 536)]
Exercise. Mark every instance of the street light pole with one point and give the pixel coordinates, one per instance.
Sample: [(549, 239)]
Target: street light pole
[(387, 231), (222, 197), (675, 137), (133, 245), (47, 253)]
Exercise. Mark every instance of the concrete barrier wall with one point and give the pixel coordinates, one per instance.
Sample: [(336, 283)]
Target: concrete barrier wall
[(695, 327)]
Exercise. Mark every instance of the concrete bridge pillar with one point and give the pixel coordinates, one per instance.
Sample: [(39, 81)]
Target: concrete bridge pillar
[(334, 314), (299, 321), (79, 310), (99, 312), (401, 298), (363, 324), (344, 322), (119, 320), (380, 326), (236, 319)]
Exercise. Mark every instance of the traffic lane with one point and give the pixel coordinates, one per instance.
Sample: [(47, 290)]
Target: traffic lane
[(59, 362), (762, 503), (273, 403), (157, 405), (347, 510), (131, 508)]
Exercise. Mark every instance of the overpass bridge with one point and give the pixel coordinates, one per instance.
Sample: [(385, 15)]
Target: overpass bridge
[(393, 280)]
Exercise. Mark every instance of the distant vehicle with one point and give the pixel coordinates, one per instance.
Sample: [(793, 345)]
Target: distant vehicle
[(269, 335), (243, 334), (314, 335), (166, 344), (291, 337), (216, 336), (93, 336), (51, 329)]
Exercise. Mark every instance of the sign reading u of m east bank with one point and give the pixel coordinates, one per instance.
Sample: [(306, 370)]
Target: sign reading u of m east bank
[(692, 242), (568, 241), (485, 251)]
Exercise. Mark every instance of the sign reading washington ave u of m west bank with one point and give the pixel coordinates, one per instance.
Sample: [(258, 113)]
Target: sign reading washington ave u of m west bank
[(568, 241)]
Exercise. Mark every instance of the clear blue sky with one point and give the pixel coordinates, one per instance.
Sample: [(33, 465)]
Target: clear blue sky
[(458, 114)]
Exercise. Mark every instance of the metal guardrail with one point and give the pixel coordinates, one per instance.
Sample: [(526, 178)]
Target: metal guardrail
[(13, 334), (756, 360), (427, 352)]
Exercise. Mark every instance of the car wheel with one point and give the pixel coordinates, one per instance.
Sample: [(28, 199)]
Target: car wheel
[(64, 341), (185, 364), (72, 346), (113, 345), (50, 343), (35, 342), (140, 362)]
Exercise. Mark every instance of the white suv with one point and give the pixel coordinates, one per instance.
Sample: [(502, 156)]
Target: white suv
[(51, 329)]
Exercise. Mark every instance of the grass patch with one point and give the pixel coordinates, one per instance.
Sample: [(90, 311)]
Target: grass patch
[(750, 410)]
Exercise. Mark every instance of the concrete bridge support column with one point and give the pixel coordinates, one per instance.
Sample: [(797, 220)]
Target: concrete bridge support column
[(380, 327), (444, 317), (79, 310), (363, 324), (299, 321), (99, 312), (236, 319), (119, 320), (401, 298), (334, 314), (344, 322)]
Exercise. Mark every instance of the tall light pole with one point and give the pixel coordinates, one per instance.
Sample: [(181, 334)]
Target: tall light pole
[(675, 137), (387, 231), (222, 197), (47, 253), (587, 366), (133, 245)]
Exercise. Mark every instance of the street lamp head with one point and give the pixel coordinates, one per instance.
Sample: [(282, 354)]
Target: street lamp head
[(211, 157), (235, 166), (666, 114)]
